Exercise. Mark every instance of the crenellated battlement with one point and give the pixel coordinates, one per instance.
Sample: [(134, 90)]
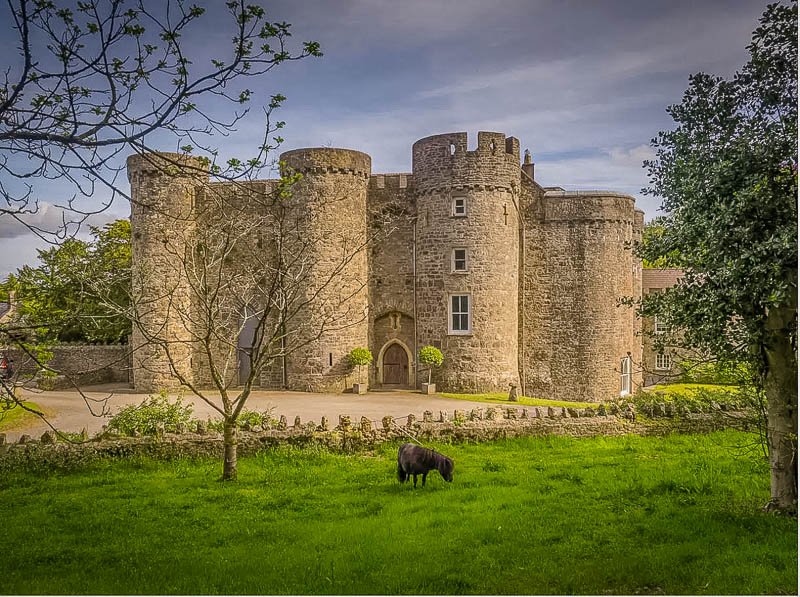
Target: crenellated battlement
[(398, 180), (163, 163), (328, 160), (588, 205), (442, 160)]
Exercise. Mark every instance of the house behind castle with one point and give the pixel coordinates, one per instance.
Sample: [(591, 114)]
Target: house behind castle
[(515, 283)]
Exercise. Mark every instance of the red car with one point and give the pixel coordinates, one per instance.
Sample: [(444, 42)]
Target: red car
[(6, 367)]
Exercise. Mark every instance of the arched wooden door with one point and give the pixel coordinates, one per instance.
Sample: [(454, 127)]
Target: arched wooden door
[(395, 365)]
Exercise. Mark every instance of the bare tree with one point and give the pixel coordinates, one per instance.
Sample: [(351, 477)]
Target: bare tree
[(93, 81), (246, 289)]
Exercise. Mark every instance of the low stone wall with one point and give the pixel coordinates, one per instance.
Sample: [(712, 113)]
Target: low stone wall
[(77, 364), (476, 425)]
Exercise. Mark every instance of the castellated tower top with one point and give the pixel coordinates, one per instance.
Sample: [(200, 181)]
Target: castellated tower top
[(166, 164), (321, 160), (441, 160)]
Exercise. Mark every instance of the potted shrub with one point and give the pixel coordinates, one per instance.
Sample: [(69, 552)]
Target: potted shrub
[(359, 357), (432, 357)]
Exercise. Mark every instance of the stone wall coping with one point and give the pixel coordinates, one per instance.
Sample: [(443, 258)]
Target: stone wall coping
[(598, 193), (556, 420)]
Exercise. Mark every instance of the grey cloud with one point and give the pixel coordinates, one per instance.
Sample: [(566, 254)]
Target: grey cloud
[(51, 221)]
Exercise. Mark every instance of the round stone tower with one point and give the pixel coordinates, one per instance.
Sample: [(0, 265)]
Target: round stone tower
[(467, 257), (580, 332), (330, 214), (163, 190)]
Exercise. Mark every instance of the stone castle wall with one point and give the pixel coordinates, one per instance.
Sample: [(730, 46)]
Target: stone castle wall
[(391, 213), (545, 269), (76, 365), (163, 192), (484, 357), (579, 265), (331, 202), (235, 222)]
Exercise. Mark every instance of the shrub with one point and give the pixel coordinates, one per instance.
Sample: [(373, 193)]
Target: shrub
[(432, 357), (247, 418), (717, 372), (699, 398), (154, 413), (359, 357)]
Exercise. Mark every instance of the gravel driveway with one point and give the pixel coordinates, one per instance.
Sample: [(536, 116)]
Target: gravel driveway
[(69, 411)]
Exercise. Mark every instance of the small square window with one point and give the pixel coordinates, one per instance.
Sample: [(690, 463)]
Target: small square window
[(659, 327), (460, 319), (459, 207), (663, 362), (459, 260)]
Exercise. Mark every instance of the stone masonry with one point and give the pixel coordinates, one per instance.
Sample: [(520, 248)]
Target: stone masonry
[(516, 284)]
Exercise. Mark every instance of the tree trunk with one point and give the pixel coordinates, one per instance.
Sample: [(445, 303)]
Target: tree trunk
[(780, 387), (231, 443)]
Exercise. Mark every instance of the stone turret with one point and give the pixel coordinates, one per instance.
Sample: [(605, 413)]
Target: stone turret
[(332, 201), (163, 190), (468, 257), (579, 264)]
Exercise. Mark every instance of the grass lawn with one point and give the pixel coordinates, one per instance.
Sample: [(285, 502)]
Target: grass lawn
[(500, 398), (679, 514), (15, 417)]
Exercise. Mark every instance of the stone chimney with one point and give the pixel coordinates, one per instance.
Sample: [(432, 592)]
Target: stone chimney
[(527, 164)]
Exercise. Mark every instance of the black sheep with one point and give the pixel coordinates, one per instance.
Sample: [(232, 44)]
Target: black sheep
[(416, 460)]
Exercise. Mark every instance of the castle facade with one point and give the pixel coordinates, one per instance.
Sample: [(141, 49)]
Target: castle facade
[(517, 284)]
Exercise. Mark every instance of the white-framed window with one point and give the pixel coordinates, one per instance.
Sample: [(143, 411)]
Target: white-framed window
[(663, 361), (458, 262), (659, 327), (460, 207), (460, 314), (626, 376)]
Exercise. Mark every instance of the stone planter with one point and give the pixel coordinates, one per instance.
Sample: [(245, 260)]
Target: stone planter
[(359, 388), (428, 388)]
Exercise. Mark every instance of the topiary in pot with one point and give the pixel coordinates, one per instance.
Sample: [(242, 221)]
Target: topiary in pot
[(432, 357), (359, 357)]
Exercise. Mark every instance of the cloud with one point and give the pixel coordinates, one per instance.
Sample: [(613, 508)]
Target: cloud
[(19, 245), (51, 221), (17, 252), (615, 169)]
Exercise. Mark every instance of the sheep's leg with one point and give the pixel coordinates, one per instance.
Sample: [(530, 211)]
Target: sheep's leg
[(424, 476), (415, 481)]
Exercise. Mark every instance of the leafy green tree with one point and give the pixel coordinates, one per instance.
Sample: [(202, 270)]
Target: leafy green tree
[(727, 174), (79, 289), (653, 231)]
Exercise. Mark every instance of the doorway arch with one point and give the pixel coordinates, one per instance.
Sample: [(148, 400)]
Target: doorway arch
[(395, 364)]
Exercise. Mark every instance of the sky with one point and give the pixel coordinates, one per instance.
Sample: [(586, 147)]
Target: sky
[(583, 84)]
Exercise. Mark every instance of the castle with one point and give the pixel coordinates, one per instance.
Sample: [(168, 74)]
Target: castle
[(517, 284)]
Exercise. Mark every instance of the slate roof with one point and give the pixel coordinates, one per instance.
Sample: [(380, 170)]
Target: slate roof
[(660, 278)]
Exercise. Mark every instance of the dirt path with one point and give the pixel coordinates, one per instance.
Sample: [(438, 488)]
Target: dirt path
[(69, 411)]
